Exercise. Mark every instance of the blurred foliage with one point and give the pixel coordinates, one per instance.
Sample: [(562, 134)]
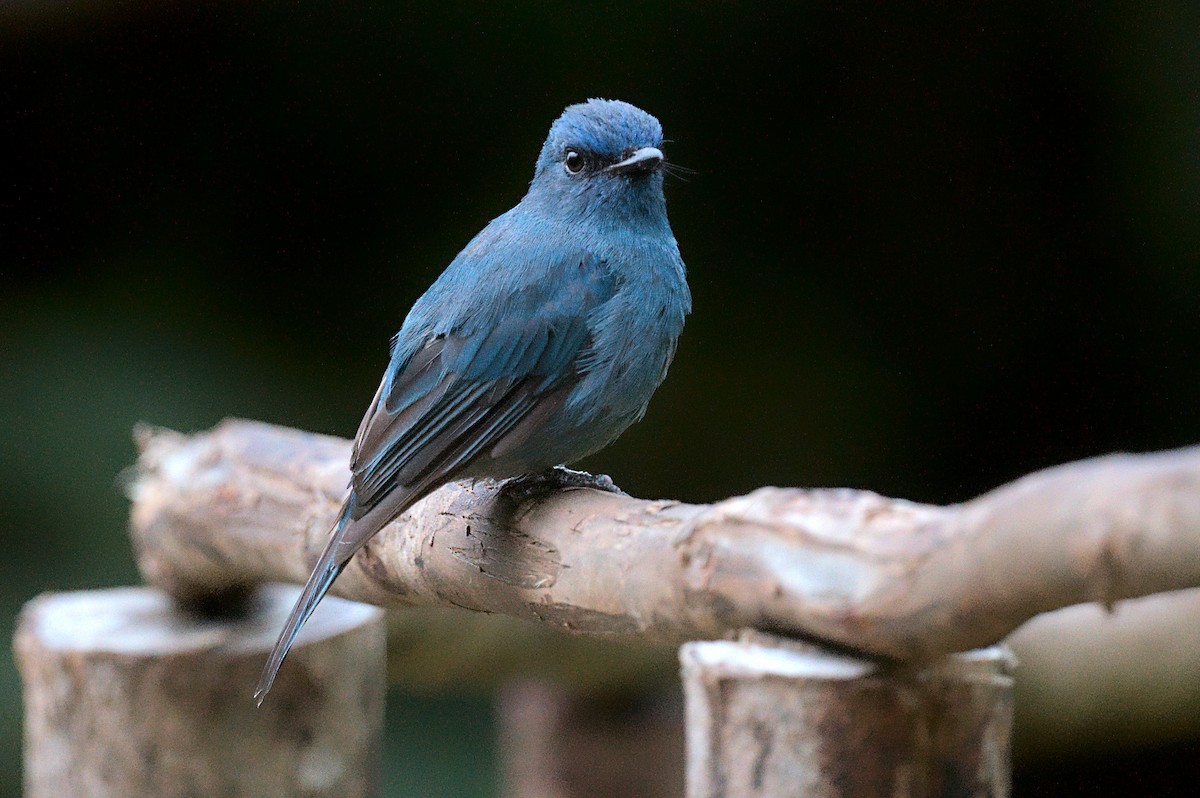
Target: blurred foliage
[(438, 745), (931, 248)]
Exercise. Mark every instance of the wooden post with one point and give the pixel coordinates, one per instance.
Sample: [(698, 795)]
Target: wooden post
[(770, 718), (558, 744), (128, 696)]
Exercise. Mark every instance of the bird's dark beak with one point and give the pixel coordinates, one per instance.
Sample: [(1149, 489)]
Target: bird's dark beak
[(647, 159)]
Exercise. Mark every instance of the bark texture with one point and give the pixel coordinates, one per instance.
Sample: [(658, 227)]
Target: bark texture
[(768, 718), (128, 697), (248, 502)]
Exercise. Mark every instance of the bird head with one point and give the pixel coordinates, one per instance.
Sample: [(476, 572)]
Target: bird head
[(602, 155)]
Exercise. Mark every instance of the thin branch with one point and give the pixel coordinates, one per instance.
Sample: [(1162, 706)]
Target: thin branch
[(248, 503)]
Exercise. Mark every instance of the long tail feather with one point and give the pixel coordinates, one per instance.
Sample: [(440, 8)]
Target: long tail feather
[(332, 562)]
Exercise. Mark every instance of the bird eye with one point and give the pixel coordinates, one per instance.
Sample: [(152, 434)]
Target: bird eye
[(574, 162)]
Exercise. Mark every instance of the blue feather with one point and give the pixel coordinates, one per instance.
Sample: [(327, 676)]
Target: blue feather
[(539, 344)]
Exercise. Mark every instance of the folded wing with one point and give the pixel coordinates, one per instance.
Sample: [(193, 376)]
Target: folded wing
[(456, 389)]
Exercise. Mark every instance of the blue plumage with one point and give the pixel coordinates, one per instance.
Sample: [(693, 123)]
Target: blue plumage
[(539, 344)]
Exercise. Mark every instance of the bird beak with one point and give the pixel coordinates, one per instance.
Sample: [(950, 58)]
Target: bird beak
[(646, 159)]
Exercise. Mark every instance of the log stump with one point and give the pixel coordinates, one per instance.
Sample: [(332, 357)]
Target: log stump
[(126, 695), (617, 744), (769, 718)]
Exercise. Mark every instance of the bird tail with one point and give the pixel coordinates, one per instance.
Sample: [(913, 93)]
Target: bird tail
[(343, 543)]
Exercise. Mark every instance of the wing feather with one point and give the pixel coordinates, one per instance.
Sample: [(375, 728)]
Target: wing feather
[(456, 387)]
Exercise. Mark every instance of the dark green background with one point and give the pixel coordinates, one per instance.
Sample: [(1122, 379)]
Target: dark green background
[(931, 248)]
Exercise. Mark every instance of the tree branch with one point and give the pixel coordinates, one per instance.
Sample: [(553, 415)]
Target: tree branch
[(248, 502)]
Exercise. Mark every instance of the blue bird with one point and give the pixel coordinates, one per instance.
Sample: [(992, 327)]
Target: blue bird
[(540, 343)]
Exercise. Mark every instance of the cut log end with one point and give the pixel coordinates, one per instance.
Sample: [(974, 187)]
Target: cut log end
[(127, 695), (772, 718)]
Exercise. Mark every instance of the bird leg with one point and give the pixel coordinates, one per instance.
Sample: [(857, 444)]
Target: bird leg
[(557, 478)]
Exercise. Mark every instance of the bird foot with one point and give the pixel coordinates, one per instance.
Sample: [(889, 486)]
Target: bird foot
[(557, 478)]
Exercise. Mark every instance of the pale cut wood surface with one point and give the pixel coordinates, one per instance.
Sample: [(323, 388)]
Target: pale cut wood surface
[(774, 719), (127, 696)]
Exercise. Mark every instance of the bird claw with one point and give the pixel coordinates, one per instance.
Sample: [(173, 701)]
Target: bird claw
[(557, 478), (570, 478)]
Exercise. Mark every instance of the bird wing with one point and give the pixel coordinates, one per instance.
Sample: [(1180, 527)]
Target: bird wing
[(455, 388), (459, 384)]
